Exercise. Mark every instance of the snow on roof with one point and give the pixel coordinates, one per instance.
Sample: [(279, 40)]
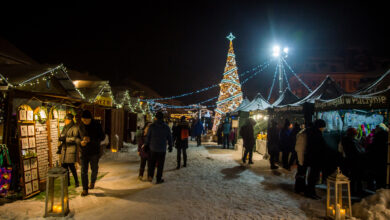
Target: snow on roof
[(258, 103), (17, 74), (328, 89), (381, 83), (287, 97)]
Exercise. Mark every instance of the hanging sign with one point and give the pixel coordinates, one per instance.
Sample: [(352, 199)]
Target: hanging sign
[(353, 102), (104, 101)]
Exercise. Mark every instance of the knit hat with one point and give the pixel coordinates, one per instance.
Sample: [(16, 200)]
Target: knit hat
[(319, 123), (86, 114), (69, 116), (159, 115)]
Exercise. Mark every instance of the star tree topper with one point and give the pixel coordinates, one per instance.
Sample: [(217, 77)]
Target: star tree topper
[(230, 37)]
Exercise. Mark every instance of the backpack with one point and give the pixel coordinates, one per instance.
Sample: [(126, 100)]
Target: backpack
[(184, 133)]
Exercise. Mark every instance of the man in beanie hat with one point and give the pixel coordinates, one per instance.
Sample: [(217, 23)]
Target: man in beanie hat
[(316, 151), (158, 135), (91, 136), (70, 145)]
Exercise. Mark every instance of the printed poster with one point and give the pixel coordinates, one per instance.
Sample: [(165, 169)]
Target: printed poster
[(34, 163), (27, 176), (28, 188), (35, 185), (22, 115), (26, 165), (31, 142), (23, 130), (24, 143), (34, 174), (30, 115), (31, 129)]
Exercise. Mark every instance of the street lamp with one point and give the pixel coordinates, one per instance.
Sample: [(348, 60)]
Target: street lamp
[(280, 54)]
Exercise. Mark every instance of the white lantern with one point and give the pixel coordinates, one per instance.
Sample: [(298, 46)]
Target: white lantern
[(57, 201), (338, 197)]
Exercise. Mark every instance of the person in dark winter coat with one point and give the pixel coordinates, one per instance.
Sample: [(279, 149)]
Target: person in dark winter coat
[(70, 145), (378, 155), (159, 134), (181, 134), (285, 143), (315, 156), (219, 135), (226, 128), (91, 135), (248, 138), (198, 131), (273, 143), (291, 149), (143, 151), (353, 158)]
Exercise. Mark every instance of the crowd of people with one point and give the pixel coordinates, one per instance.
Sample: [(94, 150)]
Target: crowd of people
[(153, 140), (226, 134), (362, 159)]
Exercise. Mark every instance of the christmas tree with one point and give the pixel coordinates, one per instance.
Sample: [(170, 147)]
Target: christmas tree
[(230, 95)]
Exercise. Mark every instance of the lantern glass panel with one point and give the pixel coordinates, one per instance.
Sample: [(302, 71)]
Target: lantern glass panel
[(338, 202)]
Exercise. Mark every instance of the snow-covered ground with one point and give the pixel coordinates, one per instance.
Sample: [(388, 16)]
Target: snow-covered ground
[(213, 186)]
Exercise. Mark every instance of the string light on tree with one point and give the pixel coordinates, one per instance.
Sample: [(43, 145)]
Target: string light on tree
[(230, 95)]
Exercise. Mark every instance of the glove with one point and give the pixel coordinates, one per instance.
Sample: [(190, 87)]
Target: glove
[(62, 138), (59, 150), (170, 149)]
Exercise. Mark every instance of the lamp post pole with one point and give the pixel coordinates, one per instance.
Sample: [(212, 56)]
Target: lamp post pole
[(280, 76)]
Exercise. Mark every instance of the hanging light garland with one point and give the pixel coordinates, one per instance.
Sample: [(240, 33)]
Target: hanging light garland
[(273, 82), (292, 71)]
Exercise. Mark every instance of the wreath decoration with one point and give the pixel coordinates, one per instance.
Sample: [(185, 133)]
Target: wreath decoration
[(40, 114)]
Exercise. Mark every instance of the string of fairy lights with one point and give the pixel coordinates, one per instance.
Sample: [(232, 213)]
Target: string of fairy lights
[(273, 82), (209, 87), (133, 105)]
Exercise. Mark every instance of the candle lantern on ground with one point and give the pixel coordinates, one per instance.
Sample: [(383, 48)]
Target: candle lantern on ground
[(57, 201), (338, 197)]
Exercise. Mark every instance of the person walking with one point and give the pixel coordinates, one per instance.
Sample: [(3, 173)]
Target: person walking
[(226, 127), (181, 134), (378, 155), (248, 137), (70, 145), (219, 135), (315, 156), (156, 139), (143, 151), (353, 160), (291, 149), (91, 136), (273, 143), (198, 131), (285, 142), (300, 149)]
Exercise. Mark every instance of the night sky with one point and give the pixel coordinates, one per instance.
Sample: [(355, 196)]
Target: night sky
[(176, 47)]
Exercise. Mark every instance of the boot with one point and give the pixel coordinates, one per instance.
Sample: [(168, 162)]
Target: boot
[(84, 193), (91, 186)]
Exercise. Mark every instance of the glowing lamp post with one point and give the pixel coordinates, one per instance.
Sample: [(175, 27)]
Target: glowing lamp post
[(57, 201), (280, 54), (338, 206)]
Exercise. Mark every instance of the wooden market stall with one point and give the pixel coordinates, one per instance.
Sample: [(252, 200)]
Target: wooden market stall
[(37, 100)]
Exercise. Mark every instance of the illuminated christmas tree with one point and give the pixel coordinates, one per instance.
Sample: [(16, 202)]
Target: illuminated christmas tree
[(230, 95)]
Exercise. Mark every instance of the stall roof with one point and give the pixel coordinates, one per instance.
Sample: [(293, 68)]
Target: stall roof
[(93, 88), (16, 74), (258, 103), (380, 84), (287, 97), (328, 89)]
